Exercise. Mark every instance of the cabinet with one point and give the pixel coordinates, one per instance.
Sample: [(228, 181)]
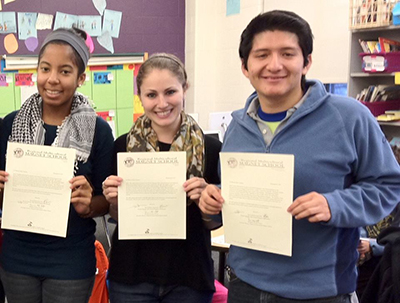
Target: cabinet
[(116, 96), (109, 84), (7, 100), (359, 80)]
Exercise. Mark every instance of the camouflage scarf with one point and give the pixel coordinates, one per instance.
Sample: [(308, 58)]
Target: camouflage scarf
[(189, 138), (374, 230)]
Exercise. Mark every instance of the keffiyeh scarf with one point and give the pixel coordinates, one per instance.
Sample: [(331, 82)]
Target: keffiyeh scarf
[(189, 138), (76, 131)]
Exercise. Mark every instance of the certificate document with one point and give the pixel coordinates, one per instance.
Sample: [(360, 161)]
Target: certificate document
[(151, 199), (37, 194), (258, 189)]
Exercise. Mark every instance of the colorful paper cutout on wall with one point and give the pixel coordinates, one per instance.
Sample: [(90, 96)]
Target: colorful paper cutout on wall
[(44, 21), (8, 1), (31, 43), (102, 78), (10, 43), (100, 5), (109, 117), (105, 40), (136, 116), (97, 67), (3, 64), (23, 79), (105, 115), (112, 22), (137, 68), (129, 66), (27, 25), (89, 43), (3, 80), (7, 23), (137, 105)]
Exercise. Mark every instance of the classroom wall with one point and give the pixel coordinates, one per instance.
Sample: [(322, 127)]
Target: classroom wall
[(329, 21), (146, 26), (212, 41), (212, 60)]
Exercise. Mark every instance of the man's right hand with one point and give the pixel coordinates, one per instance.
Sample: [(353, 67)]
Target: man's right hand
[(211, 200)]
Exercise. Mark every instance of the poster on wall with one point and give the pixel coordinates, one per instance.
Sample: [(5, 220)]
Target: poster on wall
[(44, 21), (108, 116), (3, 80), (90, 24), (27, 92), (22, 79), (7, 23), (102, 78), (112, 22), (232, 7), (65, 20), (27, 25)]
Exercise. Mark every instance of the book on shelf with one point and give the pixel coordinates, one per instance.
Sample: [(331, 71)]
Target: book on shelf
[(381, 45), (373, 46), (389, 45), (370, 47), (388, 93), (364, 46), (389, 115), (375, 93)]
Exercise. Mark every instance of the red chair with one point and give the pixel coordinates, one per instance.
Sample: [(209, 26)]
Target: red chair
[(100, 290)]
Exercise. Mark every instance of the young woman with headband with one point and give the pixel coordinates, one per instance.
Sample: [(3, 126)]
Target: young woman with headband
[(165, 270), (42, 268)]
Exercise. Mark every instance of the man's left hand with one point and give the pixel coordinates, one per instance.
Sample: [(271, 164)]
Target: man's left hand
[(312, 206)]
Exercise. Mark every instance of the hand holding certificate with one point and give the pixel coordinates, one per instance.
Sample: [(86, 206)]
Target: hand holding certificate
[(151, 199), (258, 189), (37, 194)]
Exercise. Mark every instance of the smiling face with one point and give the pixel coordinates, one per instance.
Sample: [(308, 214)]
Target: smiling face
[(57, 77), (162, 96), (275, 67)]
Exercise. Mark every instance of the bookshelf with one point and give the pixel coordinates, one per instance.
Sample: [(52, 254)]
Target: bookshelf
[(359, 79)]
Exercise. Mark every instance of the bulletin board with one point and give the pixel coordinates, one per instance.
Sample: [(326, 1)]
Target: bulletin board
[(146, 26)]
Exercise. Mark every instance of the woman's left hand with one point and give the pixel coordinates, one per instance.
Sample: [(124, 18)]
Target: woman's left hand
[(194, 187), (364, 247), (81, 196)]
